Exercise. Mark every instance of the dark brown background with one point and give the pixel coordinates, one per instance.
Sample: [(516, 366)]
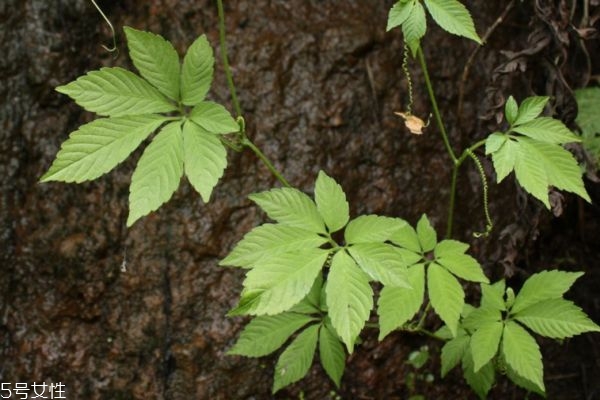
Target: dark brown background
[(318, 82)]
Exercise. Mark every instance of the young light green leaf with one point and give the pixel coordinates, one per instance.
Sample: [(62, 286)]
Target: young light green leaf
[(548, 130), (197, 72), (269, 240), (265, 334), (522, 353), (544, 285), (397, 305), (482, 381), (283, 280), (450, 247), (372, 228), (297, 358), (494, 142), (158, 173), (205, 159), (349, 298), (484, 343), (464, 266), (511, 110), (156, 59), (446, 295), (408, 257), (492, 296), (530, 171), (556, 318), (453, 17), (453, 351), (214, 118), (426, 233), (479, 317), (311, 304), (290, 207), (399, 13), (116, 92), (522, 382), (505, 158), (530, 109), (97, 147), (331, 353), (407, 238), (331, 202), (414, 27), (381, 262)]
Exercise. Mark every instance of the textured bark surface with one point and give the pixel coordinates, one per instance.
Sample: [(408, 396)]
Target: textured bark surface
[(319, 82)]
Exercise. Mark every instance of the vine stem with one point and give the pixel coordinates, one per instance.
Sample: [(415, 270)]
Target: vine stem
[(436, 110), (224, 56), (248, 143)]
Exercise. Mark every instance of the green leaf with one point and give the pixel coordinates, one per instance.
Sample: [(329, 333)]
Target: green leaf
[(331, 202), (205, 159), (446, 295), (408, 257), (381, 262), (482, 381), (331, 353), (450, 247), (484, 343), (453, 17), (296, 360), (511, 110), (399, 13), (464, 266), (270, 240), (407, 238), (158, 173), (453, 351), (531, 172), (372, 228), (311, 304), (505, 158), (494, 142), (426, 234), (556, 318), (414, 27), (544, 285), (197, 72), (492, 296), (522, 354), (522, 382), (156, 59), (283, 280), (291, 207), (479, 317), (588, 117), (214, 118), (530, 109), (397, 305), (548, 130), (97, 147), (116, 92), (349, 298), (265, 334)]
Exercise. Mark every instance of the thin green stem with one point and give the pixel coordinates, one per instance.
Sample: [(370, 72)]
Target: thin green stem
[(248, 143), (436, 110), (223, 44)]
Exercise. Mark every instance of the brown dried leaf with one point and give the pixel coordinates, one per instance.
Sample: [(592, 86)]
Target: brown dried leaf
[(414, 124)]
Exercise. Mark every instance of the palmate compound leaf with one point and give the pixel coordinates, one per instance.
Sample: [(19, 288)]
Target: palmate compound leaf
[(381, 262), (265, 334), (484, 343), (331, 352), (349, 298), (522, 354), (446, 295), (214, 118), (99, 146), (399, 13), (397, 305), (270, 240), (158, 173), (414, 27), (556, 318), (291, 207), (281, 281), (116, 92), (296, 359), (372, 228), (453, 17), (197, 72), (156, 60), (544, 285), (205, 159), (454, 350), (331, 202)]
